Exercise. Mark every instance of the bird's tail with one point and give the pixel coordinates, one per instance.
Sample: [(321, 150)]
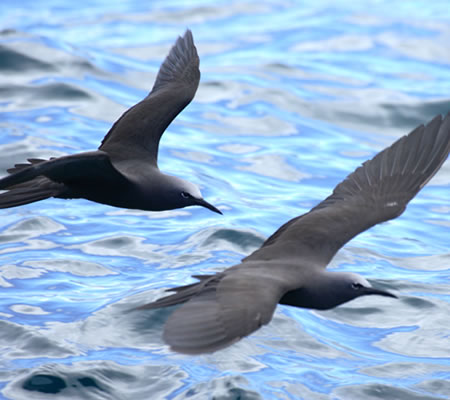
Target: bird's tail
[(20, 173), (19, 190), (25, 194)]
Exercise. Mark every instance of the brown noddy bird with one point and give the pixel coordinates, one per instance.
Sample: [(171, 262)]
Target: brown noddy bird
[(290, 266), (123, 172)]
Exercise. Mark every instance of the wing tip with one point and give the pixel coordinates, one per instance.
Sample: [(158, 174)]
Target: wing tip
[(197, 348), (181, 64), (201, 350), (188, 37)]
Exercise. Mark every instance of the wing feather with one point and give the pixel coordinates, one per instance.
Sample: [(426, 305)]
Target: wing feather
[(221, 309), (138, 131), (375, 192)]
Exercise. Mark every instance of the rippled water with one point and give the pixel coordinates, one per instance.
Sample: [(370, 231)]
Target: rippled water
[(293, 97)]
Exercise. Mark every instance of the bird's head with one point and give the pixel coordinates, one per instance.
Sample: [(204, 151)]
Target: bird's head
[(340, 287), (181, 193), (348, 286)]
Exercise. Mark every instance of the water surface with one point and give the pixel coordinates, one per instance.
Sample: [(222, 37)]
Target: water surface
[(293, 97)]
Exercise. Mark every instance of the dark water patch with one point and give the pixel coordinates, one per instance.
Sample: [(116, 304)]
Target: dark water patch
[(96, 380), (28, 310), (65, 383), (243, 241), (72, 266), (29, 228), (406, 370), (418, 302), (44, 384), (20, 341), (377, 391), (7, 32), (438, 387), (404, 117), (62, 91), (25, 55), (53, 384), (412, 115), (384, 119), (351, 313), (145, 322), (122, 245), (40, 94), (224, 388), (30, 147), (15, 62)]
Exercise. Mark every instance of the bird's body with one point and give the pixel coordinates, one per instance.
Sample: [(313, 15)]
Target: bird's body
[(290, 267), (123, 172)]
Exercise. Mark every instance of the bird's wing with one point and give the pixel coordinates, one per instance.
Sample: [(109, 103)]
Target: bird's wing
[(138, 131), (94, 166), (221, 309), (377, 191)]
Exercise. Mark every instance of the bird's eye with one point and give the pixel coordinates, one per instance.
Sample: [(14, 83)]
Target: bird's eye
[(185, 195), (356, 286)]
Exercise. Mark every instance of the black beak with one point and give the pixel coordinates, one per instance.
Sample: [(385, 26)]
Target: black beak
[(371, 290), (204, 203)]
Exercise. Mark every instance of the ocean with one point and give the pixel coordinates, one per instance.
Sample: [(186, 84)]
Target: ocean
[(294, 95)]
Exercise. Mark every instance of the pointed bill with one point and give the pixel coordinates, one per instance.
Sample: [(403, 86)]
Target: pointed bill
[(204, 203)]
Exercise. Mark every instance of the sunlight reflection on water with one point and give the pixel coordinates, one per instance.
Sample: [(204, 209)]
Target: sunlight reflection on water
[(293, 97)]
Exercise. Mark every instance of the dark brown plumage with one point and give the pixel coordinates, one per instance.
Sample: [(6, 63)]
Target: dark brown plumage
[(290, 267), (123, 172)]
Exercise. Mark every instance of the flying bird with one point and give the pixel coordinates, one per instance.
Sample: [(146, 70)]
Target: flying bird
[(123, 172), (290, 266)]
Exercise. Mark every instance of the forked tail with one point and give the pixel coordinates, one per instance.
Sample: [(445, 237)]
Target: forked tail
[(19, 190)]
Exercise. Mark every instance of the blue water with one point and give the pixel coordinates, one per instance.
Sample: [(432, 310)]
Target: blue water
[(294, 95)]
